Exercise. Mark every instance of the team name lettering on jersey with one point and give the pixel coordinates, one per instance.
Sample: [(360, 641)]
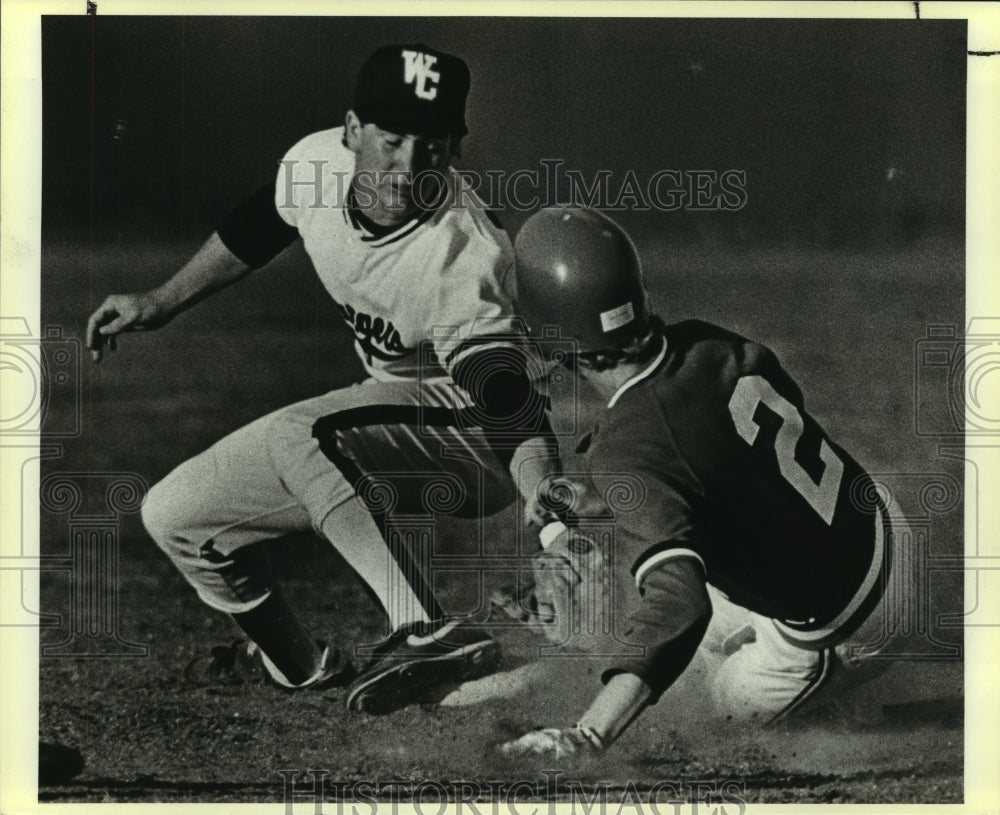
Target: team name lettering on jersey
[(417, 71), (377, 337)]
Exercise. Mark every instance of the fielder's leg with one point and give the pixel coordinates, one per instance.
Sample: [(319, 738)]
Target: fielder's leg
[(211, 516), (384, 449), (400, 447), (214, 514)]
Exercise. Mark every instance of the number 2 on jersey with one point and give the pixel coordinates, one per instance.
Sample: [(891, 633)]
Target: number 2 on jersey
[(751, 391)]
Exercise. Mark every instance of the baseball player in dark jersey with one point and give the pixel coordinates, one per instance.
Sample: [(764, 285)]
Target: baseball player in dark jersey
[(757, 537), (423, 278)]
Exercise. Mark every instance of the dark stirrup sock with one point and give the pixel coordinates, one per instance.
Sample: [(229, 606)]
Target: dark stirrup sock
[(282, 637)]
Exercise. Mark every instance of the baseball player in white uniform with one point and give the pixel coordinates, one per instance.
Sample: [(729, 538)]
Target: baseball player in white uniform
[(424, 279), (757, 538)]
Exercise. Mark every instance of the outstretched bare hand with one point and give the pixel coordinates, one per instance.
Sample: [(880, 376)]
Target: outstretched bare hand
[(122, 312)]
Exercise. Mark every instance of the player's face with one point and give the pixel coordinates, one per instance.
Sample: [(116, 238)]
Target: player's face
[(605, 379), (395, 173)]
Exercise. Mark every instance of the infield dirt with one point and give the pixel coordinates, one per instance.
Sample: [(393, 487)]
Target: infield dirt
[(845, 324)]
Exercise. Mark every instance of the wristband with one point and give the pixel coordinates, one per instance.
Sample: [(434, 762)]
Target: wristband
[(550, 532)]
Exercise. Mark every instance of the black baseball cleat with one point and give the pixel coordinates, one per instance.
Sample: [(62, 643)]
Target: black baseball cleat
[(414, 664), (242, 663)]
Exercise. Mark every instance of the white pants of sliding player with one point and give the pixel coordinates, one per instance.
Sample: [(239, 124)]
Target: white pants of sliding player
[(757, 673), (395, 443)]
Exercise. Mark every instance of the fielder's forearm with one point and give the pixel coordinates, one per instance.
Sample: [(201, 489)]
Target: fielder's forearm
[(213, 267), (513, 415), (532, 461)]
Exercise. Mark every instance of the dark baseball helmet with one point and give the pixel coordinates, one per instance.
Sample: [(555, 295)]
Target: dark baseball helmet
[(578, 270)]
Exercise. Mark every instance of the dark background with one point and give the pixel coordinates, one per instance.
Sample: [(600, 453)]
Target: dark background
[(155, 126), (850, 246)]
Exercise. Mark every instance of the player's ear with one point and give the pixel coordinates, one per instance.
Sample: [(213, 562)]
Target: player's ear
[(352, 131)]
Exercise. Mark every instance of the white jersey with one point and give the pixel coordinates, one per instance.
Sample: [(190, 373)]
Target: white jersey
[(444, 276)]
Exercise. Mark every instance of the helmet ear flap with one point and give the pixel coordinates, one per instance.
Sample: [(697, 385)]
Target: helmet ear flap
[(578, 270)]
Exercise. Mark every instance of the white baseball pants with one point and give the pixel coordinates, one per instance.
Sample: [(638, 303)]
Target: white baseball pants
[(396, 444), (757, 673)]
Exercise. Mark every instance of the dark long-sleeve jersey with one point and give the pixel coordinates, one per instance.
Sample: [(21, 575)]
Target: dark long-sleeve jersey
[(743, 490)]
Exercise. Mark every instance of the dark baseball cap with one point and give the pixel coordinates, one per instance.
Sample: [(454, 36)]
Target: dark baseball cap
[(413, 89)]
